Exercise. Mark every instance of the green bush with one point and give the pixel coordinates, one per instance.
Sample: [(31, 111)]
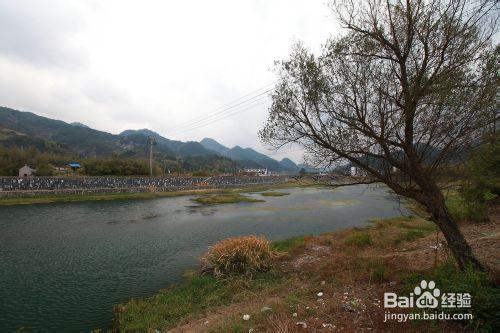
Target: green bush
[(484, 181), (201, 173), (115, 166)]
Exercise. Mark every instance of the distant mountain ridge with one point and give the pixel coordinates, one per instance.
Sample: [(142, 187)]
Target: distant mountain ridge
[(25, 129), (238, 153), (20, 128), (180, 148)]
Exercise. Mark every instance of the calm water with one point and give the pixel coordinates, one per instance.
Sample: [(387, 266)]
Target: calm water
[(64, 266)]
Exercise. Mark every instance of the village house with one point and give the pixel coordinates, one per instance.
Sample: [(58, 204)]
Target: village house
[(26, 171)]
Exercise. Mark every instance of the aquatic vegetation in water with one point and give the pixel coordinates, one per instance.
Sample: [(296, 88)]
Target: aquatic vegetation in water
[(274, 194), (225, 198), (150, 215), (336, 203)]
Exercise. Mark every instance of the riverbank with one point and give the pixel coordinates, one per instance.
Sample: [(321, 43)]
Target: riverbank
[(104, 195), (107, 196), (332, 282)]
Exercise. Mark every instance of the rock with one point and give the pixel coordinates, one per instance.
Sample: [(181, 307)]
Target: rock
[(294, 314), (206, 322), (246, 317), (348, 307), (250, 330), (301, 324), (323, 283), (265, 309), (320, 294)]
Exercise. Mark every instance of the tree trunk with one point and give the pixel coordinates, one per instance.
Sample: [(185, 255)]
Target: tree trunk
[(456, 241)]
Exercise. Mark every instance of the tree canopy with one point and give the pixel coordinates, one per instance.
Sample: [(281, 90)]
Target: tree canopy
[(408, 88)]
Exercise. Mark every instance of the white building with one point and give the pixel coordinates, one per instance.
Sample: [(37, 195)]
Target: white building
[(257, 171), (26, 171)]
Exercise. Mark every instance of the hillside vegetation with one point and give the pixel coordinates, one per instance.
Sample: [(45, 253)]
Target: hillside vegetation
[(26, 138)]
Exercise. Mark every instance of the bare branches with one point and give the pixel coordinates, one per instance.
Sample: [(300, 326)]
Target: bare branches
[(401, 94)]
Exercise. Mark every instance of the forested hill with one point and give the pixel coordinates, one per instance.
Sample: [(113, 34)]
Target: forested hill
[(27, 130), (54, 136)]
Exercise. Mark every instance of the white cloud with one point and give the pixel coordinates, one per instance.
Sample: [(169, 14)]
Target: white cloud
[(119, 64)]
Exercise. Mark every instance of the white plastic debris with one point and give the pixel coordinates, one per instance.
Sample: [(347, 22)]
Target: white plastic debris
[(302, 324), (320, 294), (246, 317), (294, 314)]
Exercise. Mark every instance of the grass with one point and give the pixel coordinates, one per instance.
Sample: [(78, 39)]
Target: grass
[(289, 244), (189, 300), (394, 231), (171, 306), (224, 199), (274, 194), (359, 239), (197, 294)]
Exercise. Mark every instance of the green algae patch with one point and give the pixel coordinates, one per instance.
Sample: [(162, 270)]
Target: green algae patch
[(224, 199), (274, 194)]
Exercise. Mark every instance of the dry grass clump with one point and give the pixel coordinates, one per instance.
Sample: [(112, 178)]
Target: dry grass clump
[(245, 255)]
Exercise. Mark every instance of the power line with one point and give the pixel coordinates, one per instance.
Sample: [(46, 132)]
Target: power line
[(258, 102), (227, 110), (277, 152), (223, 109)]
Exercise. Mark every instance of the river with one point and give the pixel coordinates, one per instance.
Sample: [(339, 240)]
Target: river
[(63, 266)]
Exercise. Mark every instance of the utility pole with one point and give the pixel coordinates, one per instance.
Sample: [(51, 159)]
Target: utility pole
[(151, 142)]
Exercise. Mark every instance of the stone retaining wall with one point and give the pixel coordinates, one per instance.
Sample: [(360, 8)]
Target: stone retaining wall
[(21, 187)]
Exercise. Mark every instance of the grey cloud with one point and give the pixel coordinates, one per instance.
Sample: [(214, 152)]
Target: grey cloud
[(40, 34)]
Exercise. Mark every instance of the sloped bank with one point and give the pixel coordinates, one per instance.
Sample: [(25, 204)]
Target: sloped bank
[(333, 282)]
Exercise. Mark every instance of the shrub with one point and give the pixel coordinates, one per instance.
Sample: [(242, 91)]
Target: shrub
[(359, 239), (238, 256), (484, 181)]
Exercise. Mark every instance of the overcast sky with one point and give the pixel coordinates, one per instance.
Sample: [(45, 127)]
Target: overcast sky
[(116, 64)]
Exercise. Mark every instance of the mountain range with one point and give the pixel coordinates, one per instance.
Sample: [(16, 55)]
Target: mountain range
[(246, 155), (25, 129)]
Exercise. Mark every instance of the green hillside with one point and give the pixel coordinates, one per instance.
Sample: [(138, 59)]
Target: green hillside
[(28, 138)]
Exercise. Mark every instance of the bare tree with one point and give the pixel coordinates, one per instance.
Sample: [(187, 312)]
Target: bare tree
[(408, 89)]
